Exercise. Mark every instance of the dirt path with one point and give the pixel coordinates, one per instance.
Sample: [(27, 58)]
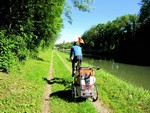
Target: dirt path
[(98, 104), (46, 105)]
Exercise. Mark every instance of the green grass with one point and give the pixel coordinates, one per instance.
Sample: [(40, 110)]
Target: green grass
[(61, 93), (122, 96), (119, 95), (22, 90)]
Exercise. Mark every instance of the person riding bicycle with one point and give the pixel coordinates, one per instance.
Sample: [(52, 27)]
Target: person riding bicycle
[(75, 51)]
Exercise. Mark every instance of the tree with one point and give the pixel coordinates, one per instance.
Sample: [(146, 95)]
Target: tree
[(144, 10), (28, 25), (82, 5)]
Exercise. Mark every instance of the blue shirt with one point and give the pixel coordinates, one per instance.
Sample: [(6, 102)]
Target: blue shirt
[(76, 50)]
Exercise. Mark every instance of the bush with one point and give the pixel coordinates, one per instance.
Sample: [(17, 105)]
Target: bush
[(12, 49), (7, 57)]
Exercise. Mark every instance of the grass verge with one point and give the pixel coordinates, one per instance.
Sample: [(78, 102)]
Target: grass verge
[(21, 90)]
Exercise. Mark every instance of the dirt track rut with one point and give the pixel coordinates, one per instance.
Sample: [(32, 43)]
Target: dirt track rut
[(46, 105)]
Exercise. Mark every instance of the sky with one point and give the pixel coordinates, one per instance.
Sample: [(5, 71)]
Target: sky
[(104, 11)]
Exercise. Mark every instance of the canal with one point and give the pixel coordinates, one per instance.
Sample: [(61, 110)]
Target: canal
[(134, 74)]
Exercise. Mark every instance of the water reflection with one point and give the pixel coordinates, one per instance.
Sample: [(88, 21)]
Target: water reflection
[(137, 75)]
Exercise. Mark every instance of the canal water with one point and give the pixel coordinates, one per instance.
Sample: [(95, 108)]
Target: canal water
[(134, 74)]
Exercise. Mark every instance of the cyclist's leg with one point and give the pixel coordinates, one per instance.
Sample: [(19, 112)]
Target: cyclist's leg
[(73, 65), (79, 61)]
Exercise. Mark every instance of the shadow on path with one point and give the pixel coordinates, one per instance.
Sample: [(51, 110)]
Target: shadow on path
[(65, 94), (62, 81)]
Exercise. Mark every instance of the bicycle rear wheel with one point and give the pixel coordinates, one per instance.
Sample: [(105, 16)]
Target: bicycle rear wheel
[(95, 96)]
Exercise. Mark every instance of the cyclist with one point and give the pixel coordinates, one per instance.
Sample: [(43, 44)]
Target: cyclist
[(75, 56)]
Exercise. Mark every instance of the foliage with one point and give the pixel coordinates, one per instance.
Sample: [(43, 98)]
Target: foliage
[(13, 49), (82, 5), (66, 45), (4, 60), (144, 10), (27, 26), (109, 36)]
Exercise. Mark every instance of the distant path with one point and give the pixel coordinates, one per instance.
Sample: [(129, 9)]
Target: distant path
[(97, 104), (46, 105)]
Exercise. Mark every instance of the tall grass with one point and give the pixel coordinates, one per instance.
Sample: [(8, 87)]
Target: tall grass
[(120, 95), (21, 90)]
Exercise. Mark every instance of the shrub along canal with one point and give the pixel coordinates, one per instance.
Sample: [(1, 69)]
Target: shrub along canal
[(137, 75)]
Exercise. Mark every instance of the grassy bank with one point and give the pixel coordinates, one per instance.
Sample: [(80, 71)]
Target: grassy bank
[(121, 96), (22, 90)]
